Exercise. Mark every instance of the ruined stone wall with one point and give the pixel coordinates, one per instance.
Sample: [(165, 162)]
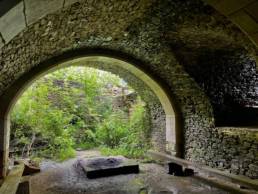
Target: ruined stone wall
[(149, 32), (155, 111), (156, 124)]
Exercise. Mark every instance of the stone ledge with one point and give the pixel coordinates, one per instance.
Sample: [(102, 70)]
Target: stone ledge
[(253, 132), (236, 179)]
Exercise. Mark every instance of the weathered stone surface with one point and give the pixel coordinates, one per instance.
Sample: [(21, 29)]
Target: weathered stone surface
[(12, 22), (35, 10), (108, 166), (69, 2)]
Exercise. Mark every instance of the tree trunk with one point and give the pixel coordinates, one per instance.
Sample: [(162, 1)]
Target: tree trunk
[(30, 145), (23, 150)]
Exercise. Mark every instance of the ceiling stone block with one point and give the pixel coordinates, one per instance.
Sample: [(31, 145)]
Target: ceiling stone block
[(245, 21), (228, 7), (37, 9), (252, 10), (12, 22)]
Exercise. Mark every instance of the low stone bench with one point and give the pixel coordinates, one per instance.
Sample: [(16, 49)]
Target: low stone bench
[(16, 182), (12, 180), (241, 181)]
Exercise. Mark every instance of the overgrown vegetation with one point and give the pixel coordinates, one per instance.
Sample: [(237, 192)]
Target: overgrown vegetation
[(76, 108)]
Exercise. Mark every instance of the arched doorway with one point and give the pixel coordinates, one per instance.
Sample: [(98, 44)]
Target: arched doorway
[(173, 135)]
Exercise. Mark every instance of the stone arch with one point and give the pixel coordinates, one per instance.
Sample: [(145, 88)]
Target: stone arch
[(104, 62)]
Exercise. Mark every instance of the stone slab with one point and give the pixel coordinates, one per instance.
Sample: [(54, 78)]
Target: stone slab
[(35, 10), (12, 22), (108, 166)]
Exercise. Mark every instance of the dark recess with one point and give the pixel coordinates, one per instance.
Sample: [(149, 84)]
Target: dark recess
[(230, 80)]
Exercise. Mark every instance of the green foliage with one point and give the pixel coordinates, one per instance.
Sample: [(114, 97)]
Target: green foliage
[(65, 154), (112, 130), (73, 108), (133, 140)]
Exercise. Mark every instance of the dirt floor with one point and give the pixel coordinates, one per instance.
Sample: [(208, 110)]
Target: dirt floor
[(69, 178)]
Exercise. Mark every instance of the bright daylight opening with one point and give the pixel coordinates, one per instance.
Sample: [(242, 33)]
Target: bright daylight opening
[(75, 109)]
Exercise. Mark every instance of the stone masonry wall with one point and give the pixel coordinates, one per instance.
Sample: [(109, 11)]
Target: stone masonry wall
[(230, 80), (241, 145), (158, 121)]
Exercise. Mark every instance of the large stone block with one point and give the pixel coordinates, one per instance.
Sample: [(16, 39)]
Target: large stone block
[(35, 10), (12, 22), (108, 166)]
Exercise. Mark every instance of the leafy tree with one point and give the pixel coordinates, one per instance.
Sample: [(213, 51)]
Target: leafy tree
[(73, 108)]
